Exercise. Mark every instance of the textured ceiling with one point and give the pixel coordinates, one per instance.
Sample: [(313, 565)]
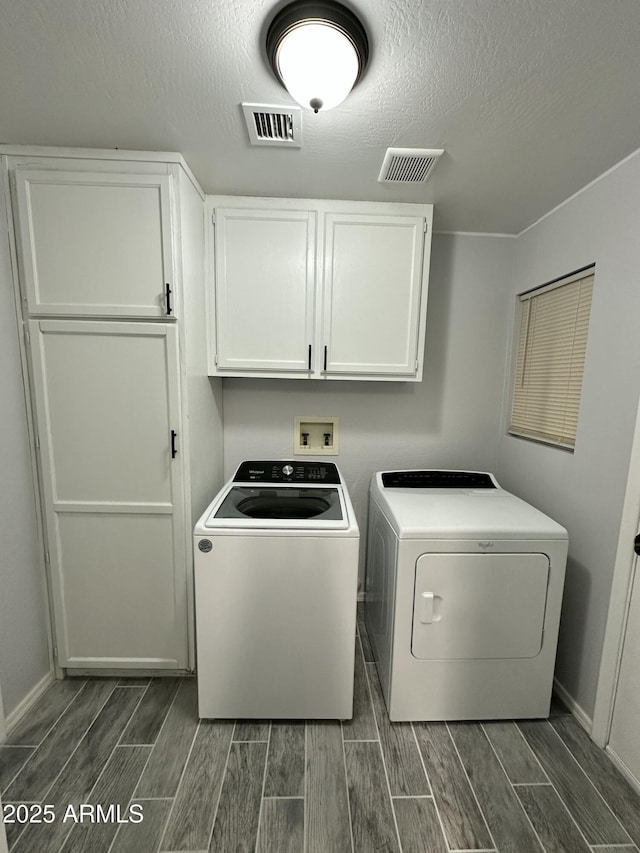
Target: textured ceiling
[(531, 99)]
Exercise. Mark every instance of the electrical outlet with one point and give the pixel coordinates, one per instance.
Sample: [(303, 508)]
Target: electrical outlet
[(315, 436)]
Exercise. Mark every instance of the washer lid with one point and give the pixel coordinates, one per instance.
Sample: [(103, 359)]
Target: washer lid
[(459, 513), (286, 506)]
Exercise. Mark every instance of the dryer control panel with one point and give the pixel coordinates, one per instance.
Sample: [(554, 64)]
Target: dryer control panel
[(438, 480), (283, 471)]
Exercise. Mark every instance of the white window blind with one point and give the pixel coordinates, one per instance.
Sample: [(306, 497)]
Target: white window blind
[(552, 343)]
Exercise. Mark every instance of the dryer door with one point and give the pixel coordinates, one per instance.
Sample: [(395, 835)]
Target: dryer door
[(470, 606)]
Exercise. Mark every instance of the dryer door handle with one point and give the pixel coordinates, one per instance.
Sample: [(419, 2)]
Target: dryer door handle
[(426, 607)]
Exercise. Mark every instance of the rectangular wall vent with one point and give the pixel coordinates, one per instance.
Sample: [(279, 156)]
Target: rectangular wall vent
[(269, 125), (408, 165)]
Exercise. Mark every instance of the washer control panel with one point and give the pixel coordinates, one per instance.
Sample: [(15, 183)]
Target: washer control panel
[(287, 472)]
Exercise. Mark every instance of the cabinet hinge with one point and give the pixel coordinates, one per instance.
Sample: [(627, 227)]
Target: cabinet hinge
[(424, 226), (37, 442), (27, 336), (213, 218), (215, 359), (47, 560)]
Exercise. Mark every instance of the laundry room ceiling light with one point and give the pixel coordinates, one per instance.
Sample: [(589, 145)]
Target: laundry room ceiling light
[(318, 51)]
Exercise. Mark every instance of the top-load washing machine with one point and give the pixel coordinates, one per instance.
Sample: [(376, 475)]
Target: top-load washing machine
[(464, 590), (276, 576)]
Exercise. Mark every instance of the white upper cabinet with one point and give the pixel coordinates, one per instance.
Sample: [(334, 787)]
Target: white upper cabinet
[(265, 270), (95, 244), (318, 289), (372, 289)]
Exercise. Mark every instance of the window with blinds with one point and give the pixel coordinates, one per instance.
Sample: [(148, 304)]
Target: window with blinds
[(552, 343)]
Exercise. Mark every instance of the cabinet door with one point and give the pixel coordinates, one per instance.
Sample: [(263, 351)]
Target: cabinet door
[(371, 294), (95, 244), (107, 400), (265, 273)]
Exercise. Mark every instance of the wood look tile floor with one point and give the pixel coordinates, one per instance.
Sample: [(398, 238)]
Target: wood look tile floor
[(286, 787)]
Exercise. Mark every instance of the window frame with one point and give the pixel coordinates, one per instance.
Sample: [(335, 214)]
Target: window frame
[(563, 439)]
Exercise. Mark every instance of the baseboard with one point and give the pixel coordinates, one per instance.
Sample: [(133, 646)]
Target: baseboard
[(585, 721), (29, 700), (578, 712), (87, 672), (622, 767)]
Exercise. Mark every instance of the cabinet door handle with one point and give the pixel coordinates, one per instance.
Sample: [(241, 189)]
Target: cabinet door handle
[(325, 359), (309, 366), (168, 293), (174, 449)]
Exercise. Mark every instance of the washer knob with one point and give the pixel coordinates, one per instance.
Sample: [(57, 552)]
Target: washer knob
[(287, 470)]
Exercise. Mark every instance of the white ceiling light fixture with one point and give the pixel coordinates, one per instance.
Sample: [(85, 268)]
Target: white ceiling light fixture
[(318, 51)]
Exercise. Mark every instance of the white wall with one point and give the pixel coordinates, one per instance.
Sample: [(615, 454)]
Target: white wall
[(24, 652), (584, 491), (449, 419)]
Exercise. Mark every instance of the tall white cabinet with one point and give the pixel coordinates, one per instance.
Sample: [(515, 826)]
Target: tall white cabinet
[(127, 424), (317, 289)]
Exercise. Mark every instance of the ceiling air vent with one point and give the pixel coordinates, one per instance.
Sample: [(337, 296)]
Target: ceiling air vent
[(408, 165), (273, 125)]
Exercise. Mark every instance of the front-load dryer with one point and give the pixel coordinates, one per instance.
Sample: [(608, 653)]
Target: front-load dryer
[(276, 577), (464, 591)]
